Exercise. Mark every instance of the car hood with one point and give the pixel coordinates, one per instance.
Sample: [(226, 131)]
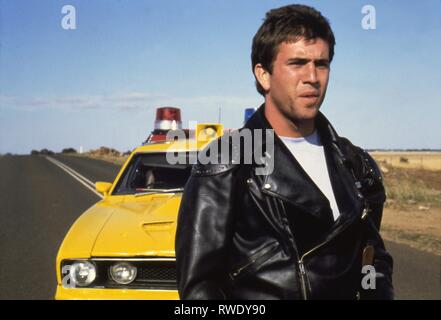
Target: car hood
[(140, 226)]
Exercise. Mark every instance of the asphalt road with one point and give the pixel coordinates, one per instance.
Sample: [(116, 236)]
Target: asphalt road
[(39, 202)]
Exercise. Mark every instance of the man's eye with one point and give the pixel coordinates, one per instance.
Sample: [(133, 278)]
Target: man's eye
[(322, 65), (297, 62)]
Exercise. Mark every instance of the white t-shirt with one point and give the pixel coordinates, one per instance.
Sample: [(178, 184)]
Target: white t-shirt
[(310, 154)]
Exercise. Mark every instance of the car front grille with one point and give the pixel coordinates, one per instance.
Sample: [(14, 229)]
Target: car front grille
[(157, 273), (152, 274)]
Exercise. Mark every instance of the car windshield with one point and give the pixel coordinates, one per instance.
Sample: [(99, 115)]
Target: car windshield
[(151, 173)]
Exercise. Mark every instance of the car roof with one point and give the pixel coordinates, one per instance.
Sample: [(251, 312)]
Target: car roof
[(172, 146)]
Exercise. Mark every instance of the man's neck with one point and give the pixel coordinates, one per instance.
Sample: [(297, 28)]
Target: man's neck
[(287, 127)]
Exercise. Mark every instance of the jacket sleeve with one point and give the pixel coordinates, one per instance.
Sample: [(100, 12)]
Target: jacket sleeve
[(204, 232), (383, 263)]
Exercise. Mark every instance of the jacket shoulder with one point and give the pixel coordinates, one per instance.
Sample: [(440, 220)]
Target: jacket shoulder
[(219, 156), (364, 167)]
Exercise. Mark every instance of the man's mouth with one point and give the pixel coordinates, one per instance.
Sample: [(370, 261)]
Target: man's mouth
[(310, 97), (310, 94)]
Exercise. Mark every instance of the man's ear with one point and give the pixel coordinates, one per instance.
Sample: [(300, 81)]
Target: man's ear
[(263, 76)]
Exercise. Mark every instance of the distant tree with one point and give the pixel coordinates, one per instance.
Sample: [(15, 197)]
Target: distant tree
[(69, 150), (35, 152), (46, 152), (108, 151)]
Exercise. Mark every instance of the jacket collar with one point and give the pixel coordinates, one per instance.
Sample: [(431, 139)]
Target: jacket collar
[(289, 181), (324, 127)]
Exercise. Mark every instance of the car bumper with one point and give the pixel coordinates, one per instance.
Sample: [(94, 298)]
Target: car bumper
[(114, 294)]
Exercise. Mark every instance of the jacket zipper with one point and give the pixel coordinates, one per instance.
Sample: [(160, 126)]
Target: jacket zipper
[(303, 279), (303, 274), (271, 248), (238, 271)]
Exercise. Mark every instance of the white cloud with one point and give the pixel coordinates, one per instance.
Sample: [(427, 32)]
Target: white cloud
[(124, 102)]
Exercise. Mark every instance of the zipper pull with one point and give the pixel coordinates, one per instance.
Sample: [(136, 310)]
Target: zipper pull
[(304, 280), (302, 267), (365, 212), (237, 272)]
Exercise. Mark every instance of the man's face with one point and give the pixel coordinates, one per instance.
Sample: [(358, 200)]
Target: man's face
[(297, 85)]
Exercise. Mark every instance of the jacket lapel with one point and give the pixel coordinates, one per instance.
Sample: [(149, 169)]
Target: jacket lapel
[(342, 181), (289, 181)]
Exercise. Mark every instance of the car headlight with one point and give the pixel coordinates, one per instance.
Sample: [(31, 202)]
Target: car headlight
[(123, 272), (82, 273)]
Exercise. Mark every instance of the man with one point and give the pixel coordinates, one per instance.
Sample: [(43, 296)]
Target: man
[(308, 229)]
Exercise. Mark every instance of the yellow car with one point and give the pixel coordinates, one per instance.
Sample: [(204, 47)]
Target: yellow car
[(123, 246)]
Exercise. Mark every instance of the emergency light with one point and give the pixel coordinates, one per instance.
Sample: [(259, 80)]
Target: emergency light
[(248, 113), (168, 118)]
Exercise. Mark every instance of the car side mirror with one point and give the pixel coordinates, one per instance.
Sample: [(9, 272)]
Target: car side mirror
[(103, 187)]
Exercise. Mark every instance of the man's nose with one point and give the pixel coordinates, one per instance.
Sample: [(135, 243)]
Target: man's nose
[(311, 74)]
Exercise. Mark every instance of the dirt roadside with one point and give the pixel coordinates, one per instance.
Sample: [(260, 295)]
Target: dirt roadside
[(420, 229)]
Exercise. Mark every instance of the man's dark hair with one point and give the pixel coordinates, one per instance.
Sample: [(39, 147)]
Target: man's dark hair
[(288, 24)]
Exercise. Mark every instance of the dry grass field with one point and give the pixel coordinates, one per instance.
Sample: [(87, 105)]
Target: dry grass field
[(410, 160), (118, 160), (112, 157), (412, 214)]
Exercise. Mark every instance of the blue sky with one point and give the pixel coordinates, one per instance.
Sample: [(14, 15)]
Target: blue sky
[(100, 84)]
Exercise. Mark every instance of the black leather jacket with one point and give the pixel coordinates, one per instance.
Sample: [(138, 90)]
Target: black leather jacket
[(246, 236)]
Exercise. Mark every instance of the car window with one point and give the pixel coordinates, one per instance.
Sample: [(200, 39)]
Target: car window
[(151, 171)]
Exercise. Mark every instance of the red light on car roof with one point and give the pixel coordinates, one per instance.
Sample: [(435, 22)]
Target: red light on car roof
[(168, 118), (168, 113)]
